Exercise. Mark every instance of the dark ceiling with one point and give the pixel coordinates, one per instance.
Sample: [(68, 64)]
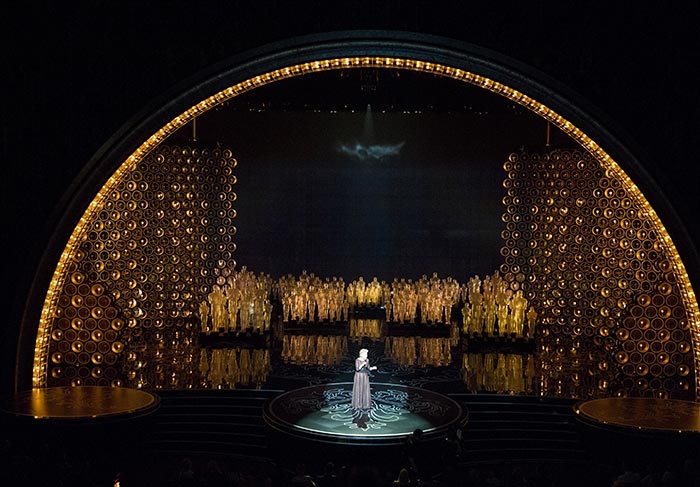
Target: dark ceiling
[(383, 89)]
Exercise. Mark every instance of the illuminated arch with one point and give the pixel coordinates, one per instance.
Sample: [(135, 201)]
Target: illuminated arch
[(310, 55)]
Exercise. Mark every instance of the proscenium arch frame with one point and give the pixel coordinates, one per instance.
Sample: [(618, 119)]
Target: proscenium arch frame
[(343, 50)]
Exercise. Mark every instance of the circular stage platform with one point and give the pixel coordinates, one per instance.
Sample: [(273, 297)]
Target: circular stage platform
[(83, 402), (642, 414), (639, 430), (324, 413)]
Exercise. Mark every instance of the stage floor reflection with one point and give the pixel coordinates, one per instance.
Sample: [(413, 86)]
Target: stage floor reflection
[(295, 355), (324, 413)]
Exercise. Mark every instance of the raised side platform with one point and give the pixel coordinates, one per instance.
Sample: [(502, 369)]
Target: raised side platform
[(642, 415), (81, 403), (97, 427), (641, 430)]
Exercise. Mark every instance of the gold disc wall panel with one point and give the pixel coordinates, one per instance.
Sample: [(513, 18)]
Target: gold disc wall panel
[(147, 255), (611, 318)]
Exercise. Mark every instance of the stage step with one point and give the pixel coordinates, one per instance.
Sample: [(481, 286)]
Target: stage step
[(206, 423), (499, 427), (519, 428)]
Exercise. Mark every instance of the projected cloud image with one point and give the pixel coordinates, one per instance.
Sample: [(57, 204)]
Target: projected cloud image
[(371, 152), (366, 149)]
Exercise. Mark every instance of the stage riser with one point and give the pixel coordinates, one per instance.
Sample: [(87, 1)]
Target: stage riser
[(237, 429), (481, 434), (208, 449), (625, 446), (220, 424), (231, 423), (519, 428), (206, 416), (213, 437), (521, 444)]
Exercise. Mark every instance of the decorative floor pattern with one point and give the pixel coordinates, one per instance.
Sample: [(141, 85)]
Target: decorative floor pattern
[(324, 412)]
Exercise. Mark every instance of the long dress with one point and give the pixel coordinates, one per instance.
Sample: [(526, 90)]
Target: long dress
[(361, 396)]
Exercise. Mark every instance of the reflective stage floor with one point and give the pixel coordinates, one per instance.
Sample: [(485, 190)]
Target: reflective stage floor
[(306, 358), (234, 396), (293, 355)]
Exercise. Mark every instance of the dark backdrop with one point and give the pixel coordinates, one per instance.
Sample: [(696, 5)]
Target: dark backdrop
[(372, 191), (75, 72)]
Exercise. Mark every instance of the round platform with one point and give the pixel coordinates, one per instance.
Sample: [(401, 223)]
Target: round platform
[(642, 414), (638, 431), (324, 413), (83, 402)]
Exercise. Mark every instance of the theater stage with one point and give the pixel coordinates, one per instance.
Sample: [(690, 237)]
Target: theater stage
[(324, 413)]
